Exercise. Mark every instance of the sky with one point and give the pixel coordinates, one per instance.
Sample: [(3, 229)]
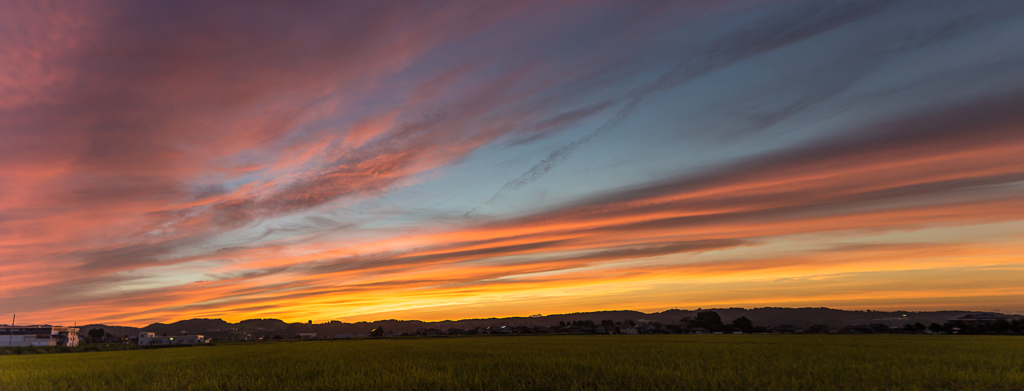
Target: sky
[(358, 161)]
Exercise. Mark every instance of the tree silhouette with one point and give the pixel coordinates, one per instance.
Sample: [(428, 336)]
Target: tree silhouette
[(707, 319), (1001, 325), (745, 325), (96, 334)]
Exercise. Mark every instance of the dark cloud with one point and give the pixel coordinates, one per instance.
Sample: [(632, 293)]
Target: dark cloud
[(988, 122), (799, 23), (256, 138)]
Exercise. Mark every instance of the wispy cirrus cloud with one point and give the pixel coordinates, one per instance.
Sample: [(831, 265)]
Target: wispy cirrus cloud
[(232, 162)]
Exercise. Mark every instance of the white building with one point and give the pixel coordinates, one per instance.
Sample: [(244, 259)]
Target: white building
[(151, 339), (38, 336)]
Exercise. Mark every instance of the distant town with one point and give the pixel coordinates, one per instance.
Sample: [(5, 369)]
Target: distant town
[(711, 321)]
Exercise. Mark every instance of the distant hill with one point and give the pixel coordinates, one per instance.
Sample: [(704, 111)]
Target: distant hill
[(117, 331), (188, 326), (769, 316), (267, 324)]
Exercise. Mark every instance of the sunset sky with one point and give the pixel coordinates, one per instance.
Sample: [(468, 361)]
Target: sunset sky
[(358, 161)]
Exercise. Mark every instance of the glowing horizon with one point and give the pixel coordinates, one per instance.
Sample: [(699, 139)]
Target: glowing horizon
[(450, 160)]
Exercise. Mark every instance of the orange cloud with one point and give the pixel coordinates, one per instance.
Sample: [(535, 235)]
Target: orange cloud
[(214, 164)]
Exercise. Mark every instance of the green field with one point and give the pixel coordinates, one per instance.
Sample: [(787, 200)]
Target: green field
[(647, 362)]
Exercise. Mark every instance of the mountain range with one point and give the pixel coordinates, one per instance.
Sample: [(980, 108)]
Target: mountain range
[(769, 316)]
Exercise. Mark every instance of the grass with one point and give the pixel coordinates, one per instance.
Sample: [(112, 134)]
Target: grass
[(101, 347), (648, 362)]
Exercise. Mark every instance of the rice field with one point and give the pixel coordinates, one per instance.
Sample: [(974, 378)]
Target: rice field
[(645, 362)]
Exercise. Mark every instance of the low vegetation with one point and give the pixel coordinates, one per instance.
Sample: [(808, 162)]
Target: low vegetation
[(90, 347), (558, 362)]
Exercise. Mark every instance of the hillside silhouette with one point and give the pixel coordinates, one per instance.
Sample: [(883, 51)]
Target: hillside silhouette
[(769, 316)]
